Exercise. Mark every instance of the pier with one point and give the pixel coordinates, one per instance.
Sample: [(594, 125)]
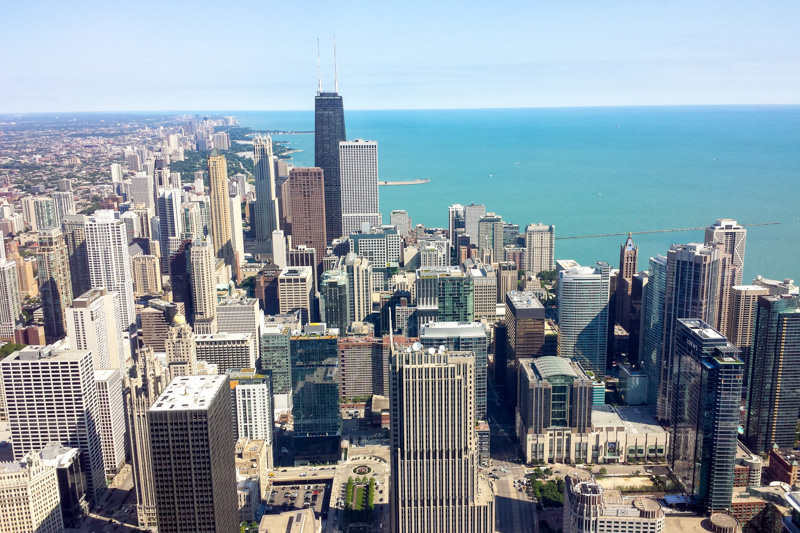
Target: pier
[(657, 231), (406, 182)]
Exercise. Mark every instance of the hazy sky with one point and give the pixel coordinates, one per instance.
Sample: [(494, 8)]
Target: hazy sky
[(258, 55)]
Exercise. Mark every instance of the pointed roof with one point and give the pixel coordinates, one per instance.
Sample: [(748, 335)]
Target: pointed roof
[(215, 153)]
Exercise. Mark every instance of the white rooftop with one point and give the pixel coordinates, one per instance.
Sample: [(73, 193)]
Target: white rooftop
[(454, 329), (189, 393)]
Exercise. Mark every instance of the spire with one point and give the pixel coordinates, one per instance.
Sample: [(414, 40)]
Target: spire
[(335, 72), (319, 72)]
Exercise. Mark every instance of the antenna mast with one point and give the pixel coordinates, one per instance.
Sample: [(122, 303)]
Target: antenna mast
[(335, 71), (319, 72)]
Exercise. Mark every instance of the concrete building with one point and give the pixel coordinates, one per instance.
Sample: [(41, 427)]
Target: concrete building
[(10, 303), (146, 275), (525, 320), (400, 219), (29, 497), (484, 283), (628, 255), (55, 285), (539, 248), (296, 291), (254, 461), (381, 245), (240, 315), (111, 420), (464, 501), (181, 349), (227, 350), (93, 324), (251, 402), (192, 456), (472, 217), (583, 294), (220, 207), (71, 482), (360, 283), (74, 228), (490, 235), (307, 188), (358, 172), (741, 319), (265, 218), (731, 239), (51, 396), (204, 285), (777, 287)]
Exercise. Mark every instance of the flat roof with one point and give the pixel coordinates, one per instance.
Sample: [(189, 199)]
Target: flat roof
[(635, 419), (524, 300), (189, 393), (453, 329)]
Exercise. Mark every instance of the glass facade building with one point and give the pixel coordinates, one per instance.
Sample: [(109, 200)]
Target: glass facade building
[(651, 357), (328, 132)]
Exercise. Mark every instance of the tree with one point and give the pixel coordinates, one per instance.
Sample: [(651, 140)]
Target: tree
[(603, 471)]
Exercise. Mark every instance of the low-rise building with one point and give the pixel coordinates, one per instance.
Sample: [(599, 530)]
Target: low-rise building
[(784, 466)]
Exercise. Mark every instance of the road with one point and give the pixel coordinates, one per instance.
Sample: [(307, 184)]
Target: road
[(117, 503)]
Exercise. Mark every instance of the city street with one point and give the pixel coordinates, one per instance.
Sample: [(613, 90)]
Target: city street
[(117, 504)]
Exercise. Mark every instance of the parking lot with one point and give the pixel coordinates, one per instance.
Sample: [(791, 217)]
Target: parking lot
[(314, 494)]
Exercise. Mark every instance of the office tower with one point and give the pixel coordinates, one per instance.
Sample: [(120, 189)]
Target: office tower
[(588, 507), (400, 219), (628, 254), (525, 318), (637, 304), (71, 482), (435, 451), (132, 225), (651, 355), (554, 396), (181, 349), (510, 234), (777, 287), (358, 175), (29, 497), (484, 282), (133, 161), (507, 276), (539, 248), (111, 419), (240, 315), (110, 263), (692, 284), (705, 413), (227, 350), (357, 358), (116, 173), (472, 216), (170, 223), (490, 235), (276, 360), (63, 205), (773, 373), (92, 325), (237, 235), (315, 393), (732, 239), (360, 283), (741, 319), (220, 207), (265, 219), (434, 251), (306, 257), (266, 288), (329, 131), (51, 397), (296, 291), (143, 386), (464, 337), (444, 294), (142, 190), (334, 300), (191, 448), (55, 285), (203, 281), (254, 461), (251, 400), (309, 193), (279, 248), (455, 224), (10, 304), (146, 275), (583, 315)]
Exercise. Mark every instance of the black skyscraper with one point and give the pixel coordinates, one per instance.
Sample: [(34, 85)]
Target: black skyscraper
[(328, 132)]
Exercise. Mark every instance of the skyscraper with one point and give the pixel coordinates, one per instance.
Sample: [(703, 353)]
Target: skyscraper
[(204, 285), (192, 456), (308, 194), (472, 216), (10, 304), (93, 324), (583, 294), (490, 235), (742, 311), (329, 131), (265, 219), (434, 452), (55, 285), (220, 207), (628, 253), (705, 413), (773, 374), (651, 355), (399, 218), (180, 348), (170, 222), (731, 238), (111, 418), (358, 172), (296, 291), (334, 300), (539, 248), (74, 228), (251, 400)]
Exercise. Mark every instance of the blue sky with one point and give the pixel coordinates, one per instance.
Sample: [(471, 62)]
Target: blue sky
[(248, 55)]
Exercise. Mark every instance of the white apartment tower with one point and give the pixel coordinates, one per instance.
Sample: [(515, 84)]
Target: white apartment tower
[(540, 242), (251, 400), (112, 418), (51, 397), (92, 324), (10, 303), (296, 291), (434, 452), (358, 169)]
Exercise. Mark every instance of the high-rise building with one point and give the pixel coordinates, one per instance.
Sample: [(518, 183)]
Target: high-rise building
[(296, 291), (10, 303), (583, 294), (111, 420), (651, 355), (240, 315), (142, 190), (192, 456), (110, 263), (731, 238), (400, 219), (74, 228), (334, 300), (329, 131), (92, 324), (71, 482), (741, 319), (63, 205), (227, 350), (51, 397), (251, 400), (265, 219), (237, 235), (490, 235), (309, 191), (181, 349), (540, 242), (455, 224), (777, 287), (360, 282), (220, 207), (435, 451), (170, 224), (39, 212), (705, 413), (276, 358), (29, 497), (204, 281), (484, 283), (464, 337), (472, 216), (773, 372), (691, 288), (146, 275), (525, 318), (143, 386), (358, 175), (55, 285), (628, 254)]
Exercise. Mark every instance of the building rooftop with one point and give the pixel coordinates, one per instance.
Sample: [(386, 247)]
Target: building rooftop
[(222, 337), (297, 521), (453, 329), (296, 272), (189, 393), (550, 366), (51, 352), (524, 300), (57, 455), (635, 419)]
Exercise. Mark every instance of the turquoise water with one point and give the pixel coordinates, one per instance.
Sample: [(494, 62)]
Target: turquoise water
[(591, 171)]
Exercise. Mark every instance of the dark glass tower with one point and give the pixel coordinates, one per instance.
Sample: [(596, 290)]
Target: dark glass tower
[(328, 132)]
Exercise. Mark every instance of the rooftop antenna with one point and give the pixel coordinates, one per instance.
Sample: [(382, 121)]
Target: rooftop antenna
[(335, 71), (319, 71)]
